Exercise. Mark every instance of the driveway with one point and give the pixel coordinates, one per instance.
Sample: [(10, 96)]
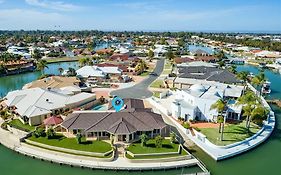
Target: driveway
[(140, 90)]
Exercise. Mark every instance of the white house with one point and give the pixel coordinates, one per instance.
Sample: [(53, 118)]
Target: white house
[(22, 51), (195, 102), (35, 104), (99, 72)]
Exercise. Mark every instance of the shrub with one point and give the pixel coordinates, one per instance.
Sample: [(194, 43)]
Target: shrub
[(144, 139), (173, 137), (39, 132), (79, 138), (186, 125), (4, 125), (50, 133), (158, 141)]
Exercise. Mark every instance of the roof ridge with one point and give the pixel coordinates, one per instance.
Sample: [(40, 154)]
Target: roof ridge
[(76, 117)]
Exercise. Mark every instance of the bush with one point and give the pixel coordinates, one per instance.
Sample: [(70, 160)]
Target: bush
[(4, 126), (50, 133), (173, 137), (79, 138), (158, 141), (39, 132), (186, 125), (172, 75)]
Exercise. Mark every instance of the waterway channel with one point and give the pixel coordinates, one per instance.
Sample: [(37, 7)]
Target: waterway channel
[(264, 159)]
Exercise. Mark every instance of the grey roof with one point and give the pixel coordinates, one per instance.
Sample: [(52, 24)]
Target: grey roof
[(115, 122), (207, 73)]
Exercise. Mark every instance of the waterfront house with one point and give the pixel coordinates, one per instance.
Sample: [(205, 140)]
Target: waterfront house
[(125, 126), (188, 75), (54, 82), (34, 105), (195, 102)]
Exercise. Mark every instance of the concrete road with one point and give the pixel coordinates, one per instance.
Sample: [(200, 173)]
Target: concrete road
[(140, 90)]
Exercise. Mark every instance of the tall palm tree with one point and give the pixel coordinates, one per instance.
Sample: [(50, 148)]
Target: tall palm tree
[(259, 80), (41, 65), (220, 105), (244, 77)]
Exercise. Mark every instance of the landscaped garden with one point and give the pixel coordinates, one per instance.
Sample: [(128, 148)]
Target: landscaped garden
[(232, 133), (154, 147), (71, 143), (16, 123)]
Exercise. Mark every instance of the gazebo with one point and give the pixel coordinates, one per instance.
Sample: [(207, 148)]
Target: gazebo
[(52, 121)]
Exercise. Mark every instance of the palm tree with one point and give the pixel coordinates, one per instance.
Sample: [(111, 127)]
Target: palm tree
[(220, 105), (258, 81), (244, 77), (220, 120), (41, 65), (84, 61)]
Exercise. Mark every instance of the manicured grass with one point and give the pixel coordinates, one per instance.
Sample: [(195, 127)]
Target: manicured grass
[(167, 146), (232, 133), (157, 84), (168, 65), (167, 71), (71, 143), (19, 125), (156, 94)]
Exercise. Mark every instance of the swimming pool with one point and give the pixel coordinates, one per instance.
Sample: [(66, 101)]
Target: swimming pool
[(103, 107)]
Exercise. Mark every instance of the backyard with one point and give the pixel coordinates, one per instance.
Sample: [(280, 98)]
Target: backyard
[(150, 148), (16, 123), (71, 143), (232, 133)]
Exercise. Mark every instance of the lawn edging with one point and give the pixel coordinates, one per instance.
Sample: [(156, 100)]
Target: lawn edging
[(71, 151)]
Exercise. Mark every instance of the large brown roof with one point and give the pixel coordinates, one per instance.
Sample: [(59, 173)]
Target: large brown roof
[(130, 104), (114, 122), (54, 82)]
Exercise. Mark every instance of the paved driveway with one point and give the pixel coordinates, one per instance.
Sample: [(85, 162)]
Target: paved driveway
[(140, 90)]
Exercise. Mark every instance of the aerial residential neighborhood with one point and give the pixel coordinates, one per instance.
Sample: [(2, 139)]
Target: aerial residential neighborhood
[(140, 87)]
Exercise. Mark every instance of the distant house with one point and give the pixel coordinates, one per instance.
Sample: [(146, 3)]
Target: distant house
[(36, 104), (194, 103), (200, 52), (119, 57), (180, 60), (206, 58), (99, 72), (126, 125)]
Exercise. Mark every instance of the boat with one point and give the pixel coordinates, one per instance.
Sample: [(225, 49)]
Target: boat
[(262, 65), (266, 87)]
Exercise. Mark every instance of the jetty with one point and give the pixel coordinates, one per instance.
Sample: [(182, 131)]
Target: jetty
[(275, 101)]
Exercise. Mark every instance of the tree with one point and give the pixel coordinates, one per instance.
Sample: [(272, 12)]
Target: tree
[(170, 55), (141, 66), (220, 120), (36, 54), (150, 54), (84, 61), (144, 139), (258, 81), (173, 137), (244, 77), (39, 132), (232, 69), (50, 133), (79, 138), (71, 72), (158, 141), (259, 114), (220, 106), (41, 65)]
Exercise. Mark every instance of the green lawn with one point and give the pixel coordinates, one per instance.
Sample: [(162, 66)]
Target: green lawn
[(145, 73), (71, 143), (167, 71), (157, 83), (61, 59), (168, 65), (136, 148), (232, 133), (19, 125), (156, 94)]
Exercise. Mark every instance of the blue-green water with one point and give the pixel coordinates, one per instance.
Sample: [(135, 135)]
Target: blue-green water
[(14, 82)]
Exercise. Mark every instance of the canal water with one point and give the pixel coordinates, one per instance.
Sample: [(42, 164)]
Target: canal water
[(265, 159)]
